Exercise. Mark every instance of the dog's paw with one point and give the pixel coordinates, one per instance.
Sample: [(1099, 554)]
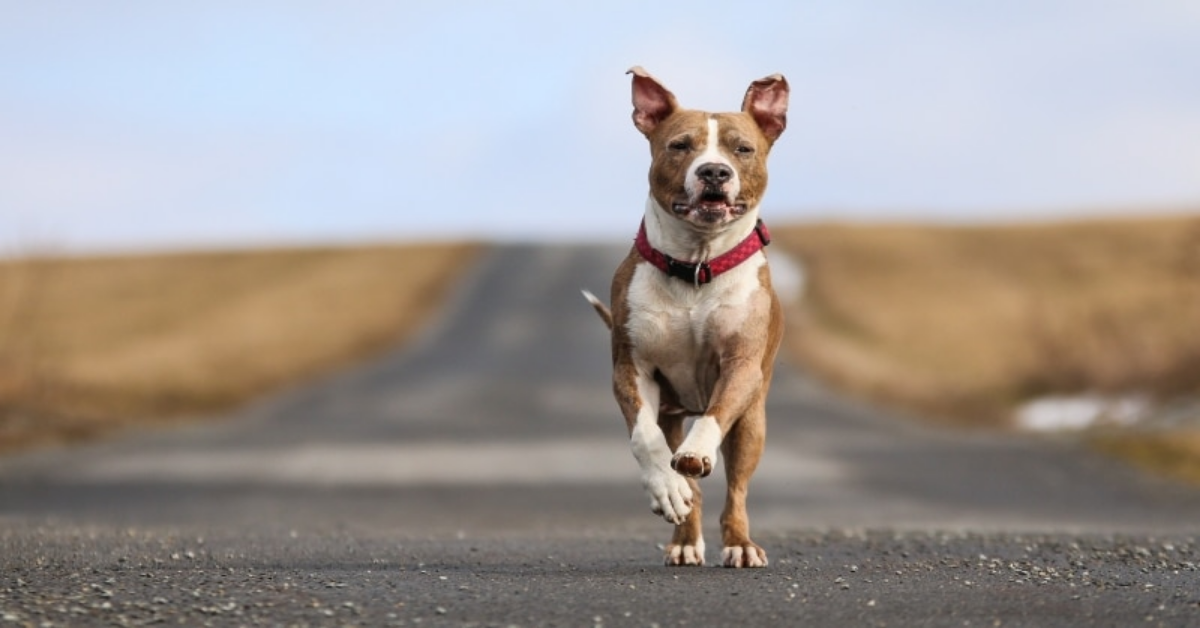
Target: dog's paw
[(692, 465), (670, 495), (695, 455), (685, 555), (748, 555)]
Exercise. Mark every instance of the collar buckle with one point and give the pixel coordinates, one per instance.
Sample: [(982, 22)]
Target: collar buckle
[(697, 274)]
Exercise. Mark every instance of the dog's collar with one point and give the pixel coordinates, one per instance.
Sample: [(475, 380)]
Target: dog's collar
[(701, 273)]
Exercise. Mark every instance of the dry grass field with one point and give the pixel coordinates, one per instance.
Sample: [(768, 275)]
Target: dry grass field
[(961, 324), (90, 344), (1175, 453)]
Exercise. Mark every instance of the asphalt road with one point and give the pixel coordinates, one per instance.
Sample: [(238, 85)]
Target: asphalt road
[(481, 476)]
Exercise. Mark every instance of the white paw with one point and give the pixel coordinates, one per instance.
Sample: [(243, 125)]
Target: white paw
[(685, 554), (696, 454), (744, 556), (670, 495)]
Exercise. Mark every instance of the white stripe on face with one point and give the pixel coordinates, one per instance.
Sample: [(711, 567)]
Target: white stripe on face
[(711, 154)]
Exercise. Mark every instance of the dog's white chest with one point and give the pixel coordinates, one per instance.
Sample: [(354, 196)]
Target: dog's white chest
[(679, 330)]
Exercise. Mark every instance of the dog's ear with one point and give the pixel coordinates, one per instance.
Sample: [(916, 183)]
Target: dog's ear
[(652, 103), (767, 101)]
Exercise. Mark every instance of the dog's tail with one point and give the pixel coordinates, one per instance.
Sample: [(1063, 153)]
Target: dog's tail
[(601, 309)]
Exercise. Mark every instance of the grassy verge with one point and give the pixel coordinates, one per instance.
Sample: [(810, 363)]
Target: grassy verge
[(1175, 453), (961, 324), (88, 345)]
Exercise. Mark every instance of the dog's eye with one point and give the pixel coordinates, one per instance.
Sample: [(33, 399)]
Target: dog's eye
[(744, 149), (679, 145)]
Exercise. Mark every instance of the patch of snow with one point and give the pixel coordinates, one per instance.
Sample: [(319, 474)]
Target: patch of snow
[(1077, 412), (787, 276)]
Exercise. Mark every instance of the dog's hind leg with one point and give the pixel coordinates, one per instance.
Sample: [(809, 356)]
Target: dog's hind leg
[(687, 542)]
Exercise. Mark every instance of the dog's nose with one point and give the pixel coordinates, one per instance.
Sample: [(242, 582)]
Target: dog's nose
[(714, 173)]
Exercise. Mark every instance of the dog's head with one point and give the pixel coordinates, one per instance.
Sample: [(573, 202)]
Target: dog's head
[(709, 169)]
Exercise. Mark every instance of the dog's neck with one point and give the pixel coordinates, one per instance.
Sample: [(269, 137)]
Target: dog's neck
[(686, 242)]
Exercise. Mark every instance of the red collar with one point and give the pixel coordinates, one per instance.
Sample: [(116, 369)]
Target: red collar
[(701, 273)]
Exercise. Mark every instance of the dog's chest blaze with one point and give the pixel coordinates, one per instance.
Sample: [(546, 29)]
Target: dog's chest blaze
[(679, 330)]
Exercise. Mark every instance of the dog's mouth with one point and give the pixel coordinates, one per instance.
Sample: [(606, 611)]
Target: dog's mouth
[(712, 206)]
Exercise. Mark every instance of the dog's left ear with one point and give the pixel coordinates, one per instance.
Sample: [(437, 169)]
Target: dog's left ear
[(767, 101)]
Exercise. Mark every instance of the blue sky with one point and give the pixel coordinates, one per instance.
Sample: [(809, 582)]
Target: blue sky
[(156, 125)]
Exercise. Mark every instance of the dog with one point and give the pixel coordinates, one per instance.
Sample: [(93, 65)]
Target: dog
[(695, 323)]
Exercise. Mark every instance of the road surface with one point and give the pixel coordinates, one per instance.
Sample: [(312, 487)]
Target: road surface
[(481, 476)]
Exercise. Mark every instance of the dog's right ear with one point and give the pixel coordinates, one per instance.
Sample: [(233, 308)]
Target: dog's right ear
[(652, 103)]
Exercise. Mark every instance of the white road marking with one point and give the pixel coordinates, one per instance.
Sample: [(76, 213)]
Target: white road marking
[(542, 463)]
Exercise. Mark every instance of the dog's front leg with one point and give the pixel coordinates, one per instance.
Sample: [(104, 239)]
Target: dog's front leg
[(740, 384), (639, 395)]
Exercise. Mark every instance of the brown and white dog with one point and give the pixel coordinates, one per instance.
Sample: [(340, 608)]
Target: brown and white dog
[(695, 323)]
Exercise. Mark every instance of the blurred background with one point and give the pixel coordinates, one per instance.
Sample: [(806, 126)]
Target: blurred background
[(993, 207)]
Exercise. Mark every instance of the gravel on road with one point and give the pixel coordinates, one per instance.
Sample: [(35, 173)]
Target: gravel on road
[(59, 575)]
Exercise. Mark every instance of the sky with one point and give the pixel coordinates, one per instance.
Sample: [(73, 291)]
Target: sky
[(152, 125)]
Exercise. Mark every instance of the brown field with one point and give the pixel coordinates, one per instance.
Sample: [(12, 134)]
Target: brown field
[(961, 324), (91, 344), (1175, 453), (965, 322)]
